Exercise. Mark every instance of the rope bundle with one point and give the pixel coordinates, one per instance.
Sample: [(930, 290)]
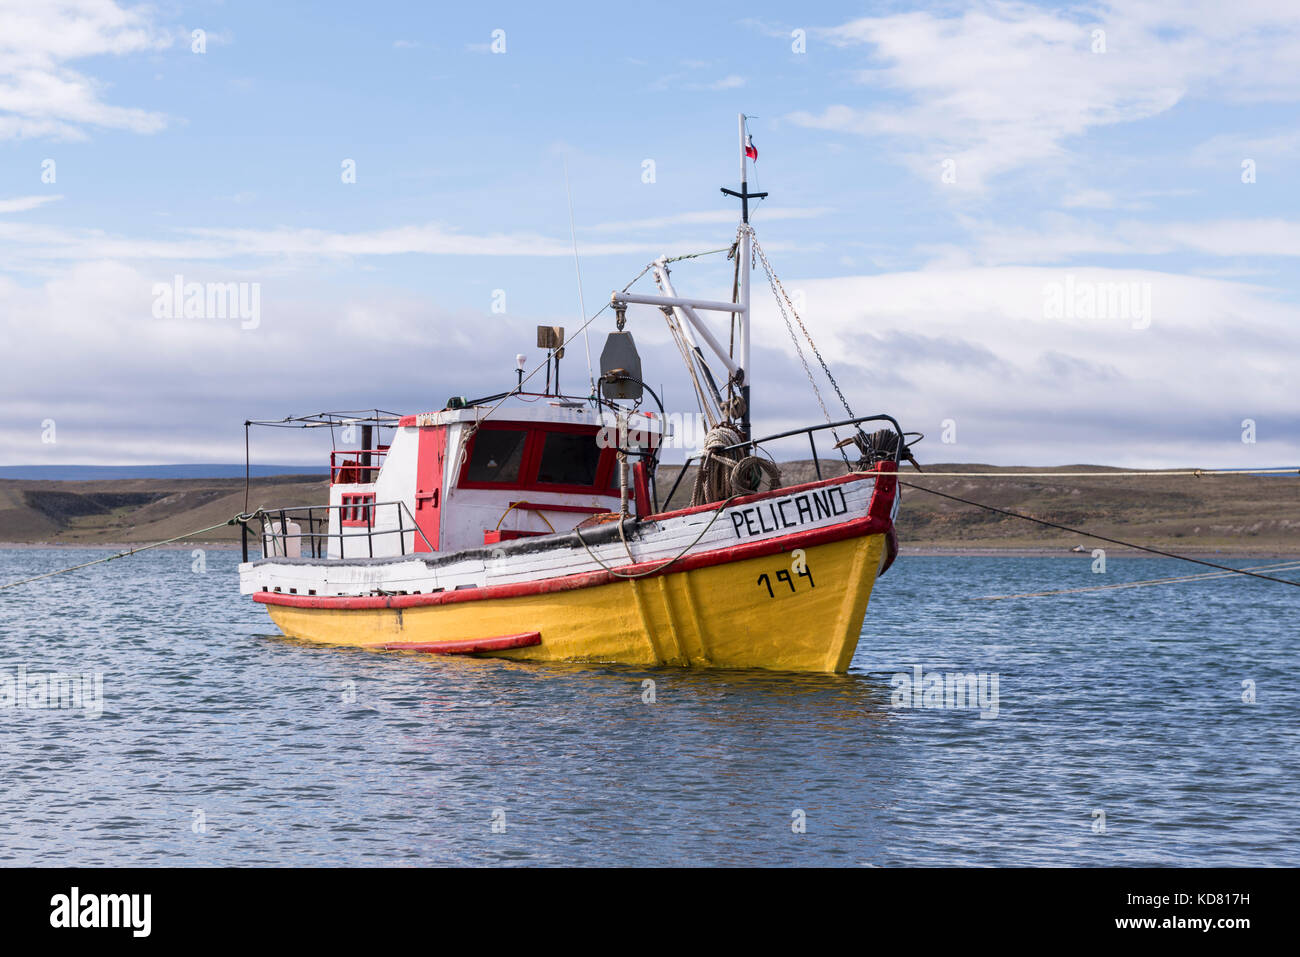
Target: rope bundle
[(724, 474)]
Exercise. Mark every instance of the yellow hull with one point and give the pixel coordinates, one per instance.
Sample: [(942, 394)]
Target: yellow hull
[(732, 615)]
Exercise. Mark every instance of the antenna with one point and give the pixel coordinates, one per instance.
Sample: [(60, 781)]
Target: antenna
[(744, 253), (582, 305)]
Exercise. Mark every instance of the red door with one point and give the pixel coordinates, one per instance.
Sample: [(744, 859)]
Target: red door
[(428, 485)]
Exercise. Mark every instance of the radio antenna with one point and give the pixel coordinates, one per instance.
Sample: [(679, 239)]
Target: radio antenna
[(582, 305)]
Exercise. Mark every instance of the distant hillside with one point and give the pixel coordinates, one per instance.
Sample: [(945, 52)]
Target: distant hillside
[(88, 473), (142, 509), (1235, 514), (1238, 514)]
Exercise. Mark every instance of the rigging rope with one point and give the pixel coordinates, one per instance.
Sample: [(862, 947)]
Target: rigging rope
[(776, 285), (628, 548), (1203, 576), (1198, 473), (100, 561), (581, 329), (782, 301), (1102, 538)]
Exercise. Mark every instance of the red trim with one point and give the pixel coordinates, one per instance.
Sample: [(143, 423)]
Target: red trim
[(496, 536), (349, 473), (531, 459), (882, 508), (867, 525), (431, 450), (641, 488), (468, 646), (357, 509), (543, 507)]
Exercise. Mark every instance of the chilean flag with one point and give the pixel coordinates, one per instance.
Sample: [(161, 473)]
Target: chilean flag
[(750, 149)]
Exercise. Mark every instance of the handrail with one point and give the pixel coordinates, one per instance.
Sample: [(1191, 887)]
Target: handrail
[(367, 460), (806, 430), (319, 539)]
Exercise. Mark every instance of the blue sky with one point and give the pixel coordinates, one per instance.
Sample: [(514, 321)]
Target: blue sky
[(1118, 164)]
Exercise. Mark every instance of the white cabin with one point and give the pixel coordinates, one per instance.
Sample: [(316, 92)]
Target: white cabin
[(461, 478)]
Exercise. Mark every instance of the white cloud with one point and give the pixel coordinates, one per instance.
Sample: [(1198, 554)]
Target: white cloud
[(1064, 238), (34, 242), (39, 94), (21, 204), (1089, 199), (968, 344), (1230, 149), (729, 82), (974, 345), (1003, 86)]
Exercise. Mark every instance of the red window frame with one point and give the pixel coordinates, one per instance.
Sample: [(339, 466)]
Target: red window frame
[(532, 460), (357, 510)]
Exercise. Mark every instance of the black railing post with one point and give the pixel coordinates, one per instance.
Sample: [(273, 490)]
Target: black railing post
[(812, 444), (677, 481)]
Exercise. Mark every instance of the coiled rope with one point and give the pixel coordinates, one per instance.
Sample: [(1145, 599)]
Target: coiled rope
[(726, 474)]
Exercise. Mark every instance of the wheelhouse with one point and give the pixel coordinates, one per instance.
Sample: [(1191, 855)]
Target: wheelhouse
[(451, 480)]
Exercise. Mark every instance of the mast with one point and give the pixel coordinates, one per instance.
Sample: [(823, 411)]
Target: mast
[(745, 255), (687, 306)]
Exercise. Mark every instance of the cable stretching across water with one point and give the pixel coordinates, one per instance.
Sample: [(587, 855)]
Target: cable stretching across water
[(1145, 583), (1198, 473), (131, 551), (1102, 538)]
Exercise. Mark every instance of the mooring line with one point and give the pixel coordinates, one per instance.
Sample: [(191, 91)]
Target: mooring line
[(1203, 576), (1148, 473), (1101, 538), (132, 551)]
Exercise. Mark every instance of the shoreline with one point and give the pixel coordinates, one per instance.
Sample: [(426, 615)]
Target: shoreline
[(905, 551), (1112, 551)]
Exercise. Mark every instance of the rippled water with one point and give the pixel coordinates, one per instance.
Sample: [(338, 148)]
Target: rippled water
[(219, 744)]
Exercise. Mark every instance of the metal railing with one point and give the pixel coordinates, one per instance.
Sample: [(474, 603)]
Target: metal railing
[(812, 444), (314, 535), (363, 469)]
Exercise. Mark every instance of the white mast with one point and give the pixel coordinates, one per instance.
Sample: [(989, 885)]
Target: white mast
[(745, 246), (744, 278), (686, 306)]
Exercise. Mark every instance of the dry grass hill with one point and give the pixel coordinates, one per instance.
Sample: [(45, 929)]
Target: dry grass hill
[(1240, 515)]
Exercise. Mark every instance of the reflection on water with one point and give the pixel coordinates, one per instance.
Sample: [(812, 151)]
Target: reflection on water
[(220, 743)]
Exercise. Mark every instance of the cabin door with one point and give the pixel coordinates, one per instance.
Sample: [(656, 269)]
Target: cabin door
[(432, 450)]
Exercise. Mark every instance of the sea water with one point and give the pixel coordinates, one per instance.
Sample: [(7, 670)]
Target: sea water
[(1152, 725)]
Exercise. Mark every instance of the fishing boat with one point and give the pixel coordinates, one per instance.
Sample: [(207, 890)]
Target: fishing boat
[(528, 524)]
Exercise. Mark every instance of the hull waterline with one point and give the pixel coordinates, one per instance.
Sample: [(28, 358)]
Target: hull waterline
[(774, 611)]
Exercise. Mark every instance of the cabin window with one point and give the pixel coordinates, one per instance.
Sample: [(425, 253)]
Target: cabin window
[(497, 455), (569, 458), (358, 509)]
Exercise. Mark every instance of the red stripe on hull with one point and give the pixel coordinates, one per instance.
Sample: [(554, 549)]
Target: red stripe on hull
[(868, 525), (469, 646)]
